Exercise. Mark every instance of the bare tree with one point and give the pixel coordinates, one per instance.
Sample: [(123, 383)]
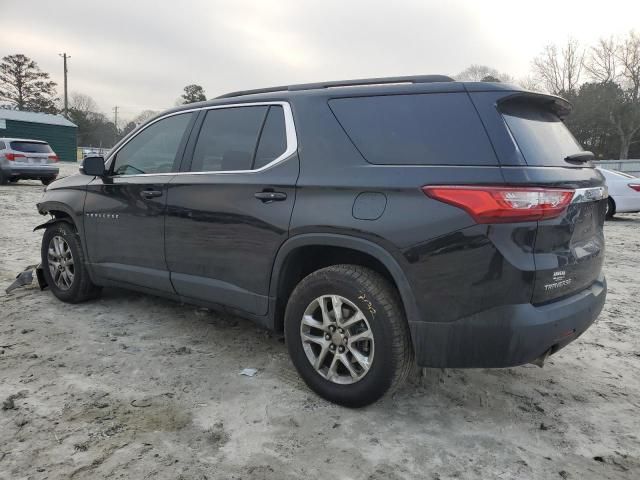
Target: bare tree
[(602, 61), (628, 125), (144, 116), (560, 70), (530, 83), (482, 73), (618, 61), (629, 56), (82, 103)]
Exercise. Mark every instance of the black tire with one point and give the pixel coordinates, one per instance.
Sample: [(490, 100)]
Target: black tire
[(3, 179), (611, 208), (81, 288), (379, 301), (14, 179), (47, 181)]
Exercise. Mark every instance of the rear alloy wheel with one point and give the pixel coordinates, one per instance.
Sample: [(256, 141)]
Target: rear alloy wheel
[(63, 264), (347, 335), (337, 339)]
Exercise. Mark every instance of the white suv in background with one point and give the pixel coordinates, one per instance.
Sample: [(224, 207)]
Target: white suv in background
[(22, 159)]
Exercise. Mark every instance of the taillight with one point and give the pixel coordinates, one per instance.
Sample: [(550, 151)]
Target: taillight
[(503, 204), (635, 186), (13, 156), (53, 157)]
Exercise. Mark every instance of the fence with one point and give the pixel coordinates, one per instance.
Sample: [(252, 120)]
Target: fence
[(627, 166), (91, 152)]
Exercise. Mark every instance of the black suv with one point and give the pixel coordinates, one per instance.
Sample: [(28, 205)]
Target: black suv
[(373, 221)]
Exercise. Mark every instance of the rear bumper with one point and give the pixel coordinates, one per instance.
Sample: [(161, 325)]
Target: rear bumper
[(509, 335), (30, 171)]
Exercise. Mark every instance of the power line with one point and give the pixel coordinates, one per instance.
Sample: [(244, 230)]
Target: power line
[(66, 96)]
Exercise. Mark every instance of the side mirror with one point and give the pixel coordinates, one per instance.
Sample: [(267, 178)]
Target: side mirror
[(93, 166)]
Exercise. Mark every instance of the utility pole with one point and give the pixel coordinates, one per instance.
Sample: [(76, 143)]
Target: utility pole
[(66, 96), (115, 115)]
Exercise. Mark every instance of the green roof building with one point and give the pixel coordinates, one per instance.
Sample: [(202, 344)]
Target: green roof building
[(56, 130)]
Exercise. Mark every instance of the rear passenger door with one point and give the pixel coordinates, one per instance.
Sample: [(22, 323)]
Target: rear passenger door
[(229, 208)]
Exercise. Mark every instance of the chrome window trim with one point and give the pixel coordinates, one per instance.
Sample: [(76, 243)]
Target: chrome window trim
[(290, 131), (592, 194)]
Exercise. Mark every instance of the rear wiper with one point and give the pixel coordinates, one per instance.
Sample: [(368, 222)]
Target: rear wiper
[(580, 157)]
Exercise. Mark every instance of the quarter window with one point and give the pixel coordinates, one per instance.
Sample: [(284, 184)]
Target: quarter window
[(422, 129), (273, 140), (154, 149)]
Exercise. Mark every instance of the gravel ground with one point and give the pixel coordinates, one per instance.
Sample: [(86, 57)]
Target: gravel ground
[(131, 386)]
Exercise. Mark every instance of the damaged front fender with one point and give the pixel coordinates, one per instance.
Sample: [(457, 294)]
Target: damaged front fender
[(53, 221)]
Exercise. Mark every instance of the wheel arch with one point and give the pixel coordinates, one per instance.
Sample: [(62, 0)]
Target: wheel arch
[(59, 212), (332, 249)]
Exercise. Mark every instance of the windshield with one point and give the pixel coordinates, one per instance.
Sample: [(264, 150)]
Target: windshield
[(542, 137), (31, 147)]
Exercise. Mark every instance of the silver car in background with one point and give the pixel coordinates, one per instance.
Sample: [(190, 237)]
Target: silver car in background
[(24, 159)]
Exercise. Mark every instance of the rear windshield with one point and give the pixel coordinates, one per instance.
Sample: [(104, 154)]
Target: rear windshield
[(31, 147), (542, 137), (424, 129)]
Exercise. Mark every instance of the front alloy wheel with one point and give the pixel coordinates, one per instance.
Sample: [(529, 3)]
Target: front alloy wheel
[(63, 266), (61, 263), (337, 339)]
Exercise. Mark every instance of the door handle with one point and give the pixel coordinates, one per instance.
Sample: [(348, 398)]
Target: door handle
[(150, 193), (267, 196)]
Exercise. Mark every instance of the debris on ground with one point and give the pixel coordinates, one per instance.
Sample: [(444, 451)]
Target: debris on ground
[(22, 279), (249, 372), (9, 402)]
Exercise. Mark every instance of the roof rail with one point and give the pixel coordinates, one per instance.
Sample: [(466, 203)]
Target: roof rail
[(344, 83)]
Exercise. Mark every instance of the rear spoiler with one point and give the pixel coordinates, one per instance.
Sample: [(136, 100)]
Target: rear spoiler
[(558, 105)]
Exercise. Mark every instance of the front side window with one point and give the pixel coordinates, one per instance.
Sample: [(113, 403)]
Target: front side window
[(154, 149)]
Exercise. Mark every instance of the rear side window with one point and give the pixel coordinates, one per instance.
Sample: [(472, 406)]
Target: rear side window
[(540, 134), (425, 129), (30, 147), (228, 139), (273, 139)]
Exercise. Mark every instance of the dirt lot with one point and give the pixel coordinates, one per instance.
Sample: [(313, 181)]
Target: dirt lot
[(131, 386)]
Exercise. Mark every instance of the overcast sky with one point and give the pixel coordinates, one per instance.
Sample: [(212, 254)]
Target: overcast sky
[(139, 54)]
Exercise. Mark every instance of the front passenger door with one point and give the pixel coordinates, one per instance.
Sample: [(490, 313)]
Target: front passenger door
[(124, 211)]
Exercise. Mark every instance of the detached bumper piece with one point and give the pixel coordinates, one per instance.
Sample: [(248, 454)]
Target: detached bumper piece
[(26, 278), (509, 335)]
